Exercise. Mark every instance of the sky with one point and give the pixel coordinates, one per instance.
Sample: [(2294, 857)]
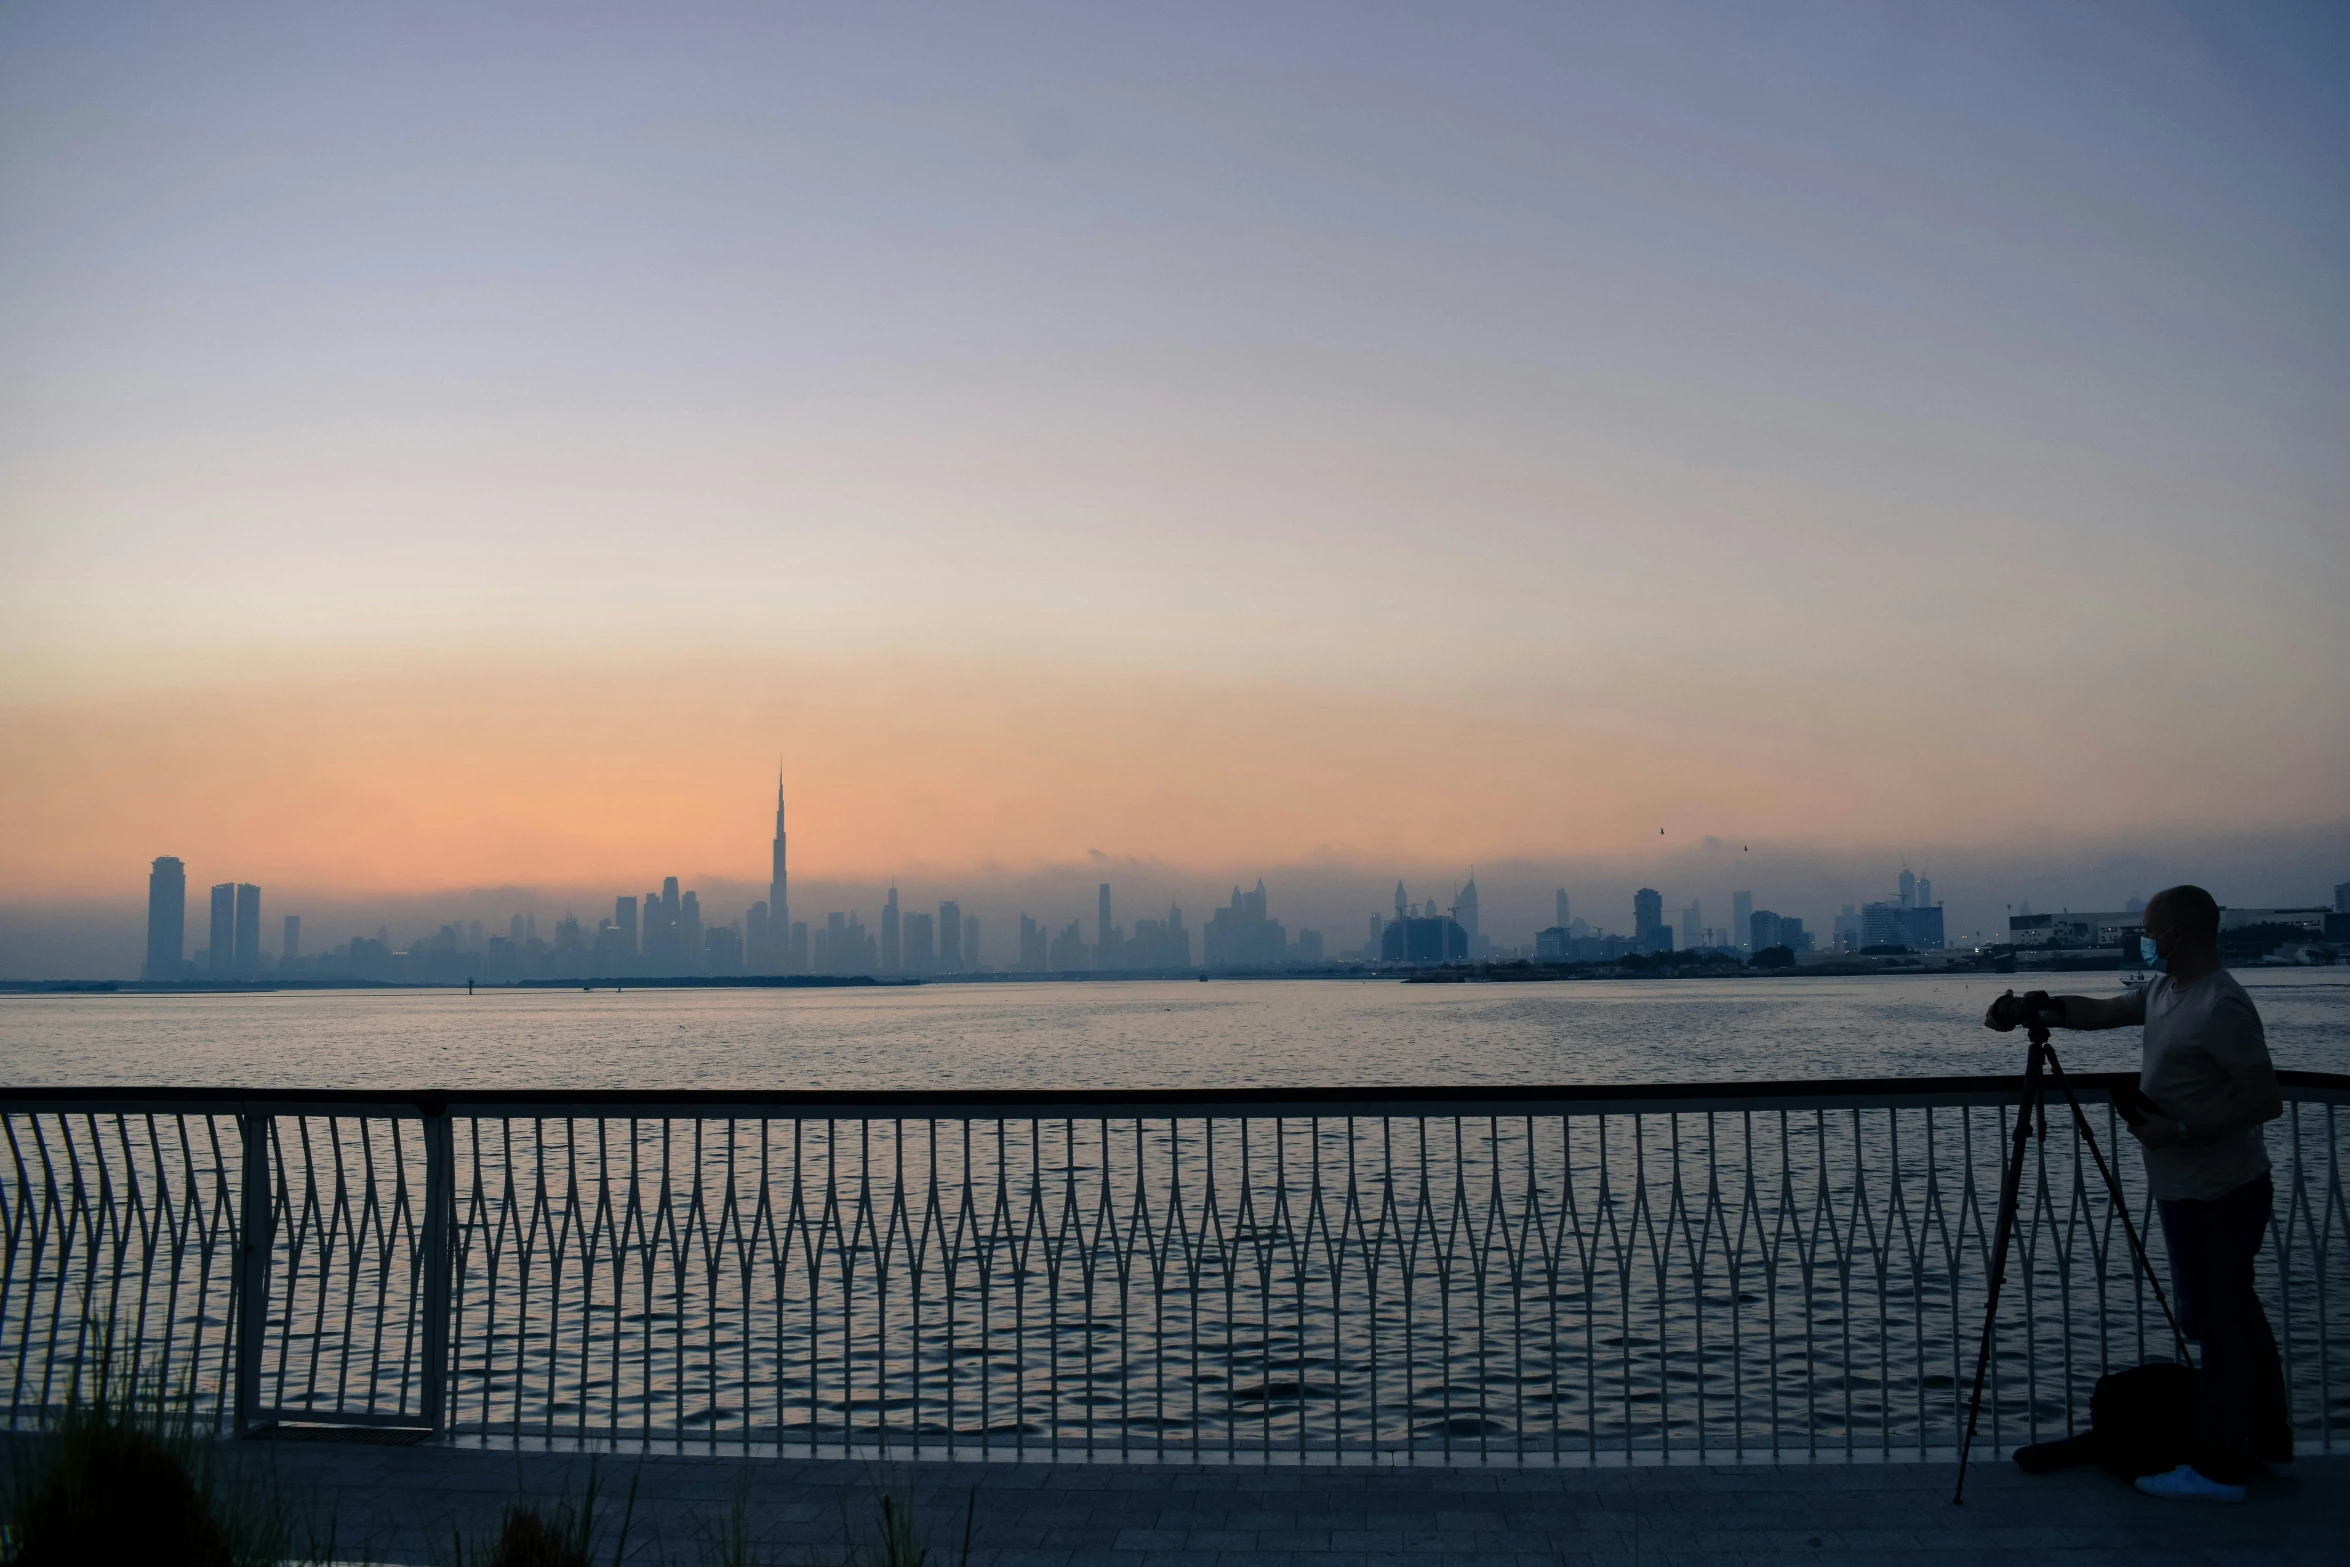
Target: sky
[(447, 449)]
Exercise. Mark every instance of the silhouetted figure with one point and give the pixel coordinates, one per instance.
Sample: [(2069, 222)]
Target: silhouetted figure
[(2206, 1073)]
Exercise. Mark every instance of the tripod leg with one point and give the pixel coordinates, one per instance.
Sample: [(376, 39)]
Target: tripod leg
[(2010, 1190)]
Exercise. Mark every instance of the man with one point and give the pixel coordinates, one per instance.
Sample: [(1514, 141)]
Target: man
[(2206, 1070)]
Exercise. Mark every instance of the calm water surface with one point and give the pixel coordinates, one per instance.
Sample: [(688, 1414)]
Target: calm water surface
[(1411, 1284), (1125, 1035)]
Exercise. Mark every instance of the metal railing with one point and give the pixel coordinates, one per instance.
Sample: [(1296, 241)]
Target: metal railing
[(1443, 1275)]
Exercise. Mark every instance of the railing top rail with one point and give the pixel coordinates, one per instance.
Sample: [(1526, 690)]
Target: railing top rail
[(1028, 1103)]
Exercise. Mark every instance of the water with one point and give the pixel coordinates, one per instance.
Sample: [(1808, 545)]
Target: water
[(1454, 1286), (1123, 1035)]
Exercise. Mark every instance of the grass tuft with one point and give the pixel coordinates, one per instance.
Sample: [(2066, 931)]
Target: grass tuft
[(559, 1532), (125, 1473), (899, 1538)]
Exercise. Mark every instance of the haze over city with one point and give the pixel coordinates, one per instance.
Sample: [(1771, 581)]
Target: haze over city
[(447, 458)]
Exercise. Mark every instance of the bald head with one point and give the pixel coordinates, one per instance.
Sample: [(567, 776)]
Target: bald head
[(2186, 911)]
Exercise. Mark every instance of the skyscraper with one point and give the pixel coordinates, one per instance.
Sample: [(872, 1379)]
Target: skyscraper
[(292, 949), (623, 921), (1693, 924), (1909, 889), (248, 958), (1562, 908), (890, 963), (1242, 935), (1741, 917), (1464, 907), (167, 919), (1648, 921), (649, 940), (778, 882), (758, 938), (220, 955), (1109, 947), (669, 951), (950, 937)]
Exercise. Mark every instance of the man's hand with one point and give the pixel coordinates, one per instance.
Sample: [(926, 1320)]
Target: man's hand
[(2156, 1131)]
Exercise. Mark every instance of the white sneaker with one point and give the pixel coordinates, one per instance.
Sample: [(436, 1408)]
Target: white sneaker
[(2187, 1484)]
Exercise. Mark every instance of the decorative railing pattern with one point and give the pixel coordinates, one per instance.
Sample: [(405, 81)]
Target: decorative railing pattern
[(1462, 1275)]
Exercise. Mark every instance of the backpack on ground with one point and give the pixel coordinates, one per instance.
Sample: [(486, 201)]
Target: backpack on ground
[(2141, 1422)]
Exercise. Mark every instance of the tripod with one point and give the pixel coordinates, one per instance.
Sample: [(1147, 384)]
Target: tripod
[(2040, 1066)]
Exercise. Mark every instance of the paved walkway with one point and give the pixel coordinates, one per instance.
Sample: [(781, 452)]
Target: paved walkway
[(402, 1504)]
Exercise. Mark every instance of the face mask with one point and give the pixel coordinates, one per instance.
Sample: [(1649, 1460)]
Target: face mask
[(2147, 954)]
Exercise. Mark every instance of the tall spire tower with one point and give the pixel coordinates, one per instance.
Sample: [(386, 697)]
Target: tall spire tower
[(779, 886)]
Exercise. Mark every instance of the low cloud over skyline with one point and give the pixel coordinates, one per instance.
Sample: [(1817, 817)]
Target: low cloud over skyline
[(100, 937)]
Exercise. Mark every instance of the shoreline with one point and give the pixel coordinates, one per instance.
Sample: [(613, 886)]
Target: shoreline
[(1520, 973)]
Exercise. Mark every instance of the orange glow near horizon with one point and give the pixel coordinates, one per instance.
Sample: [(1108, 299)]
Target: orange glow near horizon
[(421, 782)]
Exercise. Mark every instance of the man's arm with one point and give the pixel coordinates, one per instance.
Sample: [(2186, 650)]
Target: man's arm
[(2095, 1012), (2080, 1012)]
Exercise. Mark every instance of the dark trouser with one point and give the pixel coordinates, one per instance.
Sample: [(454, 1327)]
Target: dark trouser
[(2212, 1245)]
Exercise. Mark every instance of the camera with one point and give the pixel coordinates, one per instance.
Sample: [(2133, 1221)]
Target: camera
[(2034, 1008)]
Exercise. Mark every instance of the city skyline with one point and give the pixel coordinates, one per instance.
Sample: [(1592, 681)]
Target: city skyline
[(666, 932)]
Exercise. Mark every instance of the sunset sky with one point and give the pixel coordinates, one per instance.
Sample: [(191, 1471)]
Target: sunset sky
[(447, 450)]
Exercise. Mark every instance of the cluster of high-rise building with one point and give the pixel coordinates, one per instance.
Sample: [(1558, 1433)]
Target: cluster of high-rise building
[(232, 948), (665, 934), (1425, 933), (1655, 932), (1910, 919), (1155, 945), (1572, 939), (911, 943)]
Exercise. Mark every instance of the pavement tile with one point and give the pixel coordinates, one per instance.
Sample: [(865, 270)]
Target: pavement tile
[(1086, 1538), (1296, 1541), (1220, 1539), (1122, 1512), (1150, 1539), (1442, 1542), (1366, 1540)]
